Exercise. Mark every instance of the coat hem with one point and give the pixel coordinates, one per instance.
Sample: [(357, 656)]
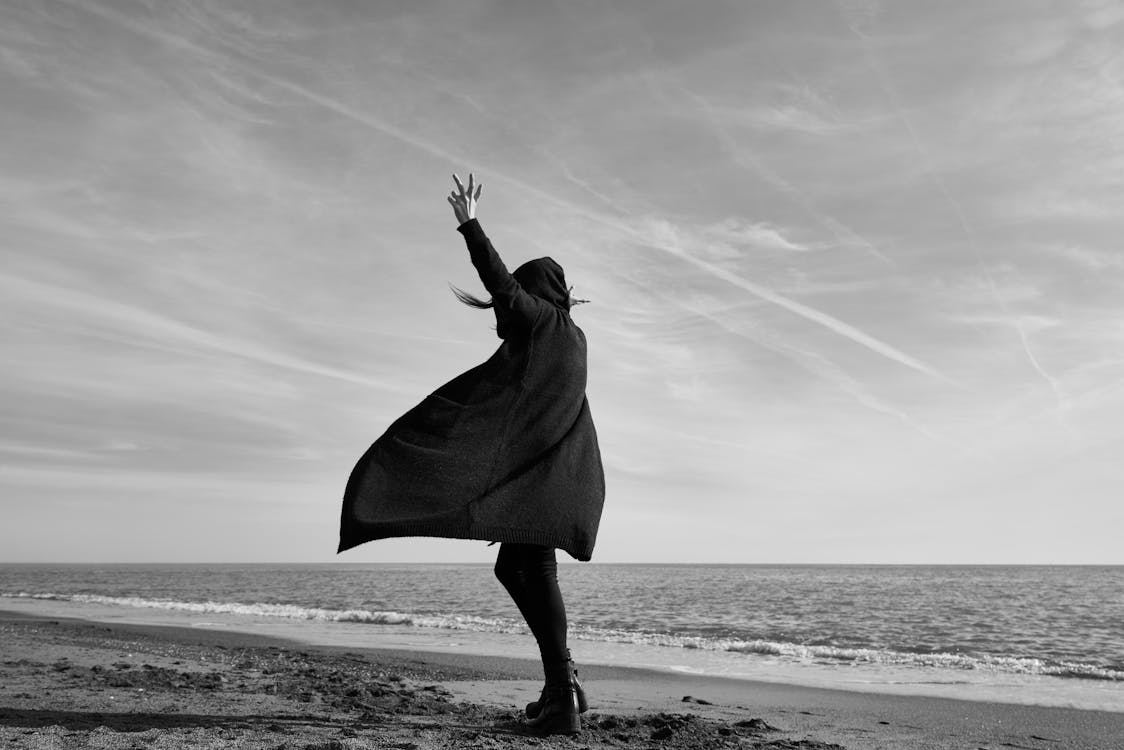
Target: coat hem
[(443, 529)]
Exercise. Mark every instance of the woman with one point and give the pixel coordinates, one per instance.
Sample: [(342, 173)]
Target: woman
[(505, 452)]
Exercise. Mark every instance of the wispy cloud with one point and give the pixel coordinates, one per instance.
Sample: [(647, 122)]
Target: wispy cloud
[(804, 311), (740, 232), (806, 359), (227, 252), (147, 328), (861, 16), (844, 235)]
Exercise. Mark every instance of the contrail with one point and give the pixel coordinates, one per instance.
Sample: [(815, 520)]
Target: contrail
[(816, 316), (812, 362), (169, 334), (843, 234), (810, 313), (891, 95), (326, 102)]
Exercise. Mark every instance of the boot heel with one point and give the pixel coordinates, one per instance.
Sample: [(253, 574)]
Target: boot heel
[(583, 706)]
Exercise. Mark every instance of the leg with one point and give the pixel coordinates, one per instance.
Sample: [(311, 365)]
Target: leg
[(529, 572), (530, 575)]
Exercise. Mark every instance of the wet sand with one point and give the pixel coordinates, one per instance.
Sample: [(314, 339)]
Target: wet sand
[(76, 684)]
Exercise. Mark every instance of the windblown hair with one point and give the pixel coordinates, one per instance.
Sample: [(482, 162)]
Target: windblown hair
[(471, 299), (480, 304)]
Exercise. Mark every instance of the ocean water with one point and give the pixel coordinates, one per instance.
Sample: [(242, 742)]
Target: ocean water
[(1046, 635)]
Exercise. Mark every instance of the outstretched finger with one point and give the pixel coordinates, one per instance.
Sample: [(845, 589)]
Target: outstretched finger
[(478, 189), (458, 181)]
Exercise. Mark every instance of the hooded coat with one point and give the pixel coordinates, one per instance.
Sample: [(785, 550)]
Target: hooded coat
[(505, 452)]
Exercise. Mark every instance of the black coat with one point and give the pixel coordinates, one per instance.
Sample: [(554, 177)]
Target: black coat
[(505, 452)]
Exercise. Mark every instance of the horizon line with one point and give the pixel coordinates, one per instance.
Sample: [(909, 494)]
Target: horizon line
[(577, 562)]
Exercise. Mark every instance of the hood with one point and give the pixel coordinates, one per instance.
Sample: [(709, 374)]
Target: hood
[(545, 279), (542, 278)]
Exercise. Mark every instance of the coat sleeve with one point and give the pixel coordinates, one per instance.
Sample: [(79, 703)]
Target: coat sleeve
[(503, 287)]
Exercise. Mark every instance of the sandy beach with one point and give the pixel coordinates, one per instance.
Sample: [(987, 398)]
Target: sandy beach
[(76, 684)]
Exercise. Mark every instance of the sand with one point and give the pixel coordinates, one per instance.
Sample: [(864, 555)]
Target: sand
[(76, 684)]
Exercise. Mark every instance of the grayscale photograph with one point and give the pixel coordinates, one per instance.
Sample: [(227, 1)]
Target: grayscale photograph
[(486, 374)]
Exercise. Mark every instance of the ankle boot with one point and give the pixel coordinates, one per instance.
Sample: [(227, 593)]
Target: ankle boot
[(533, 708), (558, 712)]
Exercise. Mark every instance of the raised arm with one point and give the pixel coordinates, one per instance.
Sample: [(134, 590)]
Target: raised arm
[(499, 282)]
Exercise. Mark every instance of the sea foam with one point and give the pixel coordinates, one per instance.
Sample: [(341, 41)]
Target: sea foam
[(784, 650)]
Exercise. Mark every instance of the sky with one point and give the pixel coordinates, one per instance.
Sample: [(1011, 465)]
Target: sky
[(856, 281)]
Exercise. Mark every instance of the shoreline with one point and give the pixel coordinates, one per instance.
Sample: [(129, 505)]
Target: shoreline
[(483, 693), (983, 685)]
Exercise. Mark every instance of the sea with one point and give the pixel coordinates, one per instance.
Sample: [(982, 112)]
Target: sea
[(1042, 635)]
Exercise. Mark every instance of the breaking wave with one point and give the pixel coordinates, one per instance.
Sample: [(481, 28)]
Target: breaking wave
[(795, 651)]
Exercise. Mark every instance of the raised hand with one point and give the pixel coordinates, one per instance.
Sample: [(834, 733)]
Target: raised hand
[(464, 200)]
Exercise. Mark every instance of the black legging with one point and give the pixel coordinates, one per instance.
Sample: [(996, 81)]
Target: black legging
[(529, 572)]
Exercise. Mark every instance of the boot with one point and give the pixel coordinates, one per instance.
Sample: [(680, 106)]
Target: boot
[(558, 712), (533, 708)]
